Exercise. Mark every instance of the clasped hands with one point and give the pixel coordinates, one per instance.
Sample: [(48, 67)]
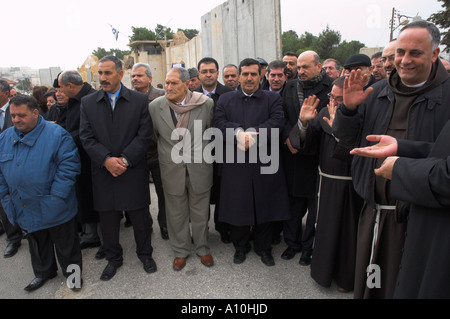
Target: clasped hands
[(115, 166), (245, 140), (387, 147)]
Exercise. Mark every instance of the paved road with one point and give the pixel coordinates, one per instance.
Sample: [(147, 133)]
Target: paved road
[(250, 280)]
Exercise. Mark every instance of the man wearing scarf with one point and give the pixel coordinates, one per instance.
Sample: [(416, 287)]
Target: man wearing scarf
[(301, 168), (410, 105), (186, 183)]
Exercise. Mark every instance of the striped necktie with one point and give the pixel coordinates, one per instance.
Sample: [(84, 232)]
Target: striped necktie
[(113, 101)]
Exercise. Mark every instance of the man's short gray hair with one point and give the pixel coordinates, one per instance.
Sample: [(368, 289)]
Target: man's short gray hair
[(71, 77), (184, 74), (148, 69)]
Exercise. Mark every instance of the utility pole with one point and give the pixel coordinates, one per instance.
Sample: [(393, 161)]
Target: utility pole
[(392, 25)]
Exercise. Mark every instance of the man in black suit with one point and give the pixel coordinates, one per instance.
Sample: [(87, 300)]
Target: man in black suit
[(115, 130), (302, 169), (13, 232), (208, 74)]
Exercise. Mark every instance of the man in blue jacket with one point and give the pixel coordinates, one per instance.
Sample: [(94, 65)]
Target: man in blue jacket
[(39, 163)]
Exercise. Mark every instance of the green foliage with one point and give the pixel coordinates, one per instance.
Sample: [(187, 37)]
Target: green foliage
[(346, 49), (163, 33), (442, 20), (102, 52), (142, 34), (327, 44), (291, 41), (327, 41), (24, 85), (189, 33)]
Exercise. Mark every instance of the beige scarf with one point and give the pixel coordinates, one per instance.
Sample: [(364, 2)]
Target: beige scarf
[(193, 100)]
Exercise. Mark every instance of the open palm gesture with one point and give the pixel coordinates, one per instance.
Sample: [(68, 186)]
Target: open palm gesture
[(354, 93), (309, 109)]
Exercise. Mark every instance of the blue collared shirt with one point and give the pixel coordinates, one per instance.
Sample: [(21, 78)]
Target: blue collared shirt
[(117, 94)]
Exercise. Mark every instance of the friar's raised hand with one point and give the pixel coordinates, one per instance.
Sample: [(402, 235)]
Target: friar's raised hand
[(309, 109), (387, 146), (354, 93), (332, 110)]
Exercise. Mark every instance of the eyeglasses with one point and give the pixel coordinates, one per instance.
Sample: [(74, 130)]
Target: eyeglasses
[(391, 58), (337, 99)]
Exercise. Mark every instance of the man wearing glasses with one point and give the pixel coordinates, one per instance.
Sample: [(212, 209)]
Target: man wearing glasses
[(388, 57)]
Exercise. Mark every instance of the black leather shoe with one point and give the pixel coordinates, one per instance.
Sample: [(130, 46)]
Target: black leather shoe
[(100, 253), (2, 231), (305, 259), (239, 257), (85, 245), (37, 283), (11, 249), (149, 265), (164, 233), (289, 253), (267, 259), (109, 271)]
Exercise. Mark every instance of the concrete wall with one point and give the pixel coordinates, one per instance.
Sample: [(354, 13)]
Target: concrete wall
[(240, 29)]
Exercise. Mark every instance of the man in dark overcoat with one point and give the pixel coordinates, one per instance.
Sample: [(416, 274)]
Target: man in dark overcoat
[(115, 130), (250, 196)]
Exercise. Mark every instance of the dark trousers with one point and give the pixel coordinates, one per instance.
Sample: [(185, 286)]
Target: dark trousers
[(157, 181), (62, 240), (294, 236), (262, 237), (142, 227), (13, 232)]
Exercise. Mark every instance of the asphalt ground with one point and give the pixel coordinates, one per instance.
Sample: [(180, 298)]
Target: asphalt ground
[(195, 284)]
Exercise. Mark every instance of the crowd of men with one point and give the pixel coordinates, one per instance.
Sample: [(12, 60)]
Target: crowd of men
[(69, 175)]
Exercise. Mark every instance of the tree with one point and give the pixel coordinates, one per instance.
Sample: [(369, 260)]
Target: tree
[(327, 44), (102, 52), (442, 20), (24, 85), (189, 33), (290, 40), (346, 49), (163, 33), (142, 34), (307, 41), (327, 41)]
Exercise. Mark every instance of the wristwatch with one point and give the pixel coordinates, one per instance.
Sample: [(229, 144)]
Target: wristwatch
[(124, 160)]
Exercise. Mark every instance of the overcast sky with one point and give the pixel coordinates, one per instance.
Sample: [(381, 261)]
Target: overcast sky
[(47, 33)]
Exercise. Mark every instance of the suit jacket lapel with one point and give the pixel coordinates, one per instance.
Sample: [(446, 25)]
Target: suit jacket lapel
[(165, 114)]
